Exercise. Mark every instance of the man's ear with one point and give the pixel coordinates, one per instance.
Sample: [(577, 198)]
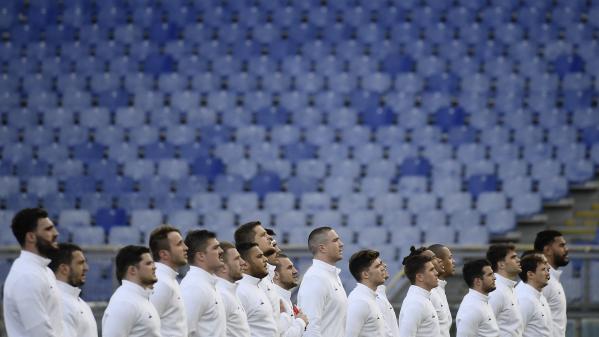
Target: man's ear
[(30, 237), (131, 270), (163, 254), (364, 275), (64, 269), (277, 276)]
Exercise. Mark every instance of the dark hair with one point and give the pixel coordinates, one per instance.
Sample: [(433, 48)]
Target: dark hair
[(414, 252), (473, 270), (360, 261), (270, 232), (545, 238), (530, 263), (529, 252), (197, 241), (245, 233), (244, 248), (63, 255), (25, 221), (126, 257), (437, 248), (315, 238), (159, 240), (415, 264), (498, 252), (225, 245)]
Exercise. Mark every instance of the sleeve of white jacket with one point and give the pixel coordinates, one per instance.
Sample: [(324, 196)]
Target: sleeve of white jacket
[(32, 310), (526, 310), (119, 321), (69, 325), (357, 314), (409, 320), (311, 299), (467, 325), (496, 303), (290, 326), (195, 305)]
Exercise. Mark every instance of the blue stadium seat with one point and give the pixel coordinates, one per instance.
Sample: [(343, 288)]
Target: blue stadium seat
[(327, 218), (510, 169), (173, 169), (124, 235), (278, 202), (240, 203), (261, 152), (368, 152), (265, 182), (157, 151), (418, 166), (10, 186), (285, 134), (170, 202), (478, 184), (489, 202), (468, 153), (412, 184), (426, 135), (72, 218), (517, 185), (372, 186), (183, 218), (546, 168), (448, 118), (527, 204), (245, 168), (361, 219), (406, 236), (279, 166), (333, 153), (474, 236), (500, 221), (209, 167), (320, 135), (382, 168), (89, 236), (219, 220), (252, 134), (143, 135), (311, 168), (109, 135), (180, 134), (313, 202), (146, 220), (579, 171), (42, 186), (228, 184), (109, 217), (437, 152), (301, 185), (373, 236), (441, 234), (78, 185), (480, 167), (455, 202), (442, 186)]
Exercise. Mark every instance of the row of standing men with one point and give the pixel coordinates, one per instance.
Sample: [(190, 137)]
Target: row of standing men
[(244, 289)]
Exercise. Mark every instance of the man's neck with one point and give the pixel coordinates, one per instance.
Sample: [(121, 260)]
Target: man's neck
[(326, 260), (480, 290), (283, 286), (506, 275), (203, 267), (138, 282), (423, 286), (538, 287), (370, 285), (169, 264), (33, 250)]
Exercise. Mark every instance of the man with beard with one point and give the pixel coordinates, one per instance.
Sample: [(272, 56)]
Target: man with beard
[(257, 306), (535, 311), (129, 312), (506, 265), (31, 297), (391, 327), (69, 266), (206, 314), (364, 317), (475, 316), (228, 274), (254, 232), (446, 269), (552, 244), (418, 317), (170, 253), (321, 294), (292, 321)]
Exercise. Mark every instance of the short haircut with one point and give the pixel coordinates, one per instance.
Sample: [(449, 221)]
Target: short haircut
[(473, 270), (498, 252), (545, 238), (415, 264), (530, 263), (126, 257), (25, 221), (159, 240), (529, 252), (270, 232), (437, 248), (360, 261), (316, 238), (414, 252), (244, 249), (225, 245), (278, 264), (197, 241), (63, 255), (245, 233)]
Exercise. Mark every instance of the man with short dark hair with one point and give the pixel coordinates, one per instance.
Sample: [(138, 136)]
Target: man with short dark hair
[(418, 317), (438, 297), (129, 312), (364, 317), (475, 316), (170, 253), (260, 315), (206, 313), (228, 275), (534, 309), (31, 297), (506, 265), (321, 294), (292, 321), (553, 245), (69, 266), (391, 327)]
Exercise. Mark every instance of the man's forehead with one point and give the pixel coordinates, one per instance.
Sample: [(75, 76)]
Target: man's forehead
[(174, 236), (44, 222), (145, 257), (487, 269), (559, 240), (429, 253)]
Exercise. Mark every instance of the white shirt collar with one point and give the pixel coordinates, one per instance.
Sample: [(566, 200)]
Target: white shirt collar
[(382, 289), (531, 290), (250, 279), (555, 273), (325, 266), (480, 296), (363, 289), (284, 293), (166, 270), (69, 289), (35, 258), (136, 288), (416, 290), (202, 274), (505, 281), (230, 286), (442, 284)]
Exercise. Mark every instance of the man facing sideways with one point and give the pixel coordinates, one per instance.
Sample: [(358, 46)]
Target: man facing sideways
[(364, 317), (228, 274), (69, 266), (475, 316), (418, 317), (391, 327), (129, 312), (254, 232), (534, 309), (206, 314), (446, 269), (292, 321), (506, 265), (553, 245), (31, 297), (321, 294), (253, 298), (170, 253)]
